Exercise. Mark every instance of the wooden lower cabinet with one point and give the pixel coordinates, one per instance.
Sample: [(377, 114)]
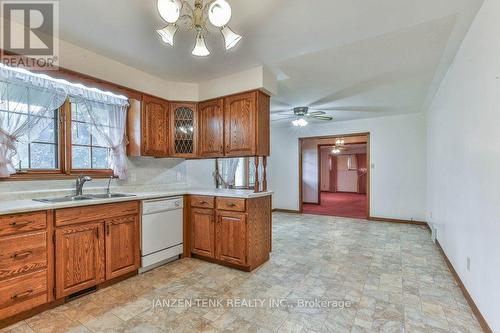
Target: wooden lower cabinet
[(231, 231), (203, 232), (238, 235), (26, 262), (102, 248), (122, 246), (79, 257)]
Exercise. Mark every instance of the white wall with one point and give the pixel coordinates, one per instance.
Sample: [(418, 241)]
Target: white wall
[(254, 78), (309, 171), (347, 180), (325, 169), (464, 162), (87, 62), (397, 152)]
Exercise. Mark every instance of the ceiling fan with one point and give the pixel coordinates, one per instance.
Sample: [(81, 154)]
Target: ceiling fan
[(301, 113)]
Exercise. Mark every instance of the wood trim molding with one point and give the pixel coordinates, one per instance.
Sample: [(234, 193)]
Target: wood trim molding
[(484, 325), (289, 211), (333, 136), (390, 220)]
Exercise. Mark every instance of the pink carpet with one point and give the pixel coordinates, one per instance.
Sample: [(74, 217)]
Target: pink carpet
[(340, 204)]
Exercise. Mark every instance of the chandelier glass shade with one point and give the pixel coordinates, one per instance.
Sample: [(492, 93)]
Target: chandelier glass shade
[(180, 13)]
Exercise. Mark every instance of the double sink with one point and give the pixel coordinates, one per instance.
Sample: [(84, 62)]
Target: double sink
[(72, 198)]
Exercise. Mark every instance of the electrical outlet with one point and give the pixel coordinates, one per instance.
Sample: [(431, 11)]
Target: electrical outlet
[(468, 264), (373, 165)]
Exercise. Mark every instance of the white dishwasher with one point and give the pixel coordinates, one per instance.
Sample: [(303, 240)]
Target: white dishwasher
[(161, 231)]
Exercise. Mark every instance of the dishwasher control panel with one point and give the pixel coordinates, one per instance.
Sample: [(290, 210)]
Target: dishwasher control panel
[(159, 205)]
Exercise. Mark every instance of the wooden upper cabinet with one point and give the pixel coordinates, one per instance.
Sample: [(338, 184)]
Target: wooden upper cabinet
[(183, 130), (211, 128), (232, 126), (122, 246), (79, 258), (246, 124), (154, 127)]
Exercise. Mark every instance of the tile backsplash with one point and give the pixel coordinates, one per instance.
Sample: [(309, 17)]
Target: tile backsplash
[(143, 174)]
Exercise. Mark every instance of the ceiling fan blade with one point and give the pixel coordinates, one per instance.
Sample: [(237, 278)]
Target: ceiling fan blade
[(286, 113), (327, 118), (316, 113), (281, 110), (284, 118), (351, 108)]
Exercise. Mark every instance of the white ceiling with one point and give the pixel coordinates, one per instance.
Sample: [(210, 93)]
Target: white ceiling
[(360, 58)]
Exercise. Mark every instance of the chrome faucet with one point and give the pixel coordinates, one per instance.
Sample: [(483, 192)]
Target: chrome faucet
[(109, 184), (80, 181)]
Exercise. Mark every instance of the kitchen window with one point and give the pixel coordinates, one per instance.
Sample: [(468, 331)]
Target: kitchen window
[(54, 128), (69, 134), (86, 153), (41, 153)]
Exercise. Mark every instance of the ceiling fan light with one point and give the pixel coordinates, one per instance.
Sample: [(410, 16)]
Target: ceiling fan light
[(200, 48), (167, 34), (219, 13), (300, 122), (230, 37)]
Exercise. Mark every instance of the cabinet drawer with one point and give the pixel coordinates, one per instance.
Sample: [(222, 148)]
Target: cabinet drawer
[(77, 215), (23, 293), (22, 254), (233, 204), (202, 201), (19, 223)]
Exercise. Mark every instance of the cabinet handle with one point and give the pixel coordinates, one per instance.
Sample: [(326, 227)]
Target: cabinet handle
[(19, 224), (22, 255), (231, 204), (203, 202), (21, 295)]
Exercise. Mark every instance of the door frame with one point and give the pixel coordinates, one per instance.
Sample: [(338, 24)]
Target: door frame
[(335, 136)]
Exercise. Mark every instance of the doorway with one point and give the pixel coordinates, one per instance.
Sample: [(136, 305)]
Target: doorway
[(334, 175)]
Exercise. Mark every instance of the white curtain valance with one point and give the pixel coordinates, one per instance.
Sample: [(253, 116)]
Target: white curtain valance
[(34, 80), (26, 100)]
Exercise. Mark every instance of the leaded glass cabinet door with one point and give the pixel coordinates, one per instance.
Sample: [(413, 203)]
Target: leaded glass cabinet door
[(184, 133)]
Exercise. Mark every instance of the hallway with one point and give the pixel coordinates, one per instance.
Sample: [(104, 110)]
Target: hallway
[(340, 204)]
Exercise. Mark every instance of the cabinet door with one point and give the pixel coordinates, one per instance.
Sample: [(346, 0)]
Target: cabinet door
[(79, 257), (211, 124), (203, 232), (231, 237), (154, 127), (122, 246), (239, 124), (183, 130)]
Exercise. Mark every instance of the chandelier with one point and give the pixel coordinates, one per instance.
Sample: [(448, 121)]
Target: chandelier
[(180, 12)]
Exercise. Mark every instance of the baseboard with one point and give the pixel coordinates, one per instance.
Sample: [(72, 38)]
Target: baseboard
[(384, 219), (290, 211), (484, 325)]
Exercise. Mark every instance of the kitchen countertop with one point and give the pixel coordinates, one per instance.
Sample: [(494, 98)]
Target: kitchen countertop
[(28, 205)]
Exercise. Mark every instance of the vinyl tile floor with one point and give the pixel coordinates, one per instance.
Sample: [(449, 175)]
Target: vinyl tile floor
[(326, 274)]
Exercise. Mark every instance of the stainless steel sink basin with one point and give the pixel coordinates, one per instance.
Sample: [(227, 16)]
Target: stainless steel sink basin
[(65, 199), (110, 195), (84, 197)]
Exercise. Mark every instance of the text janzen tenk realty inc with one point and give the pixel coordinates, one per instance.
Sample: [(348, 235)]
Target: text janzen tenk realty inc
[(248, 303)]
